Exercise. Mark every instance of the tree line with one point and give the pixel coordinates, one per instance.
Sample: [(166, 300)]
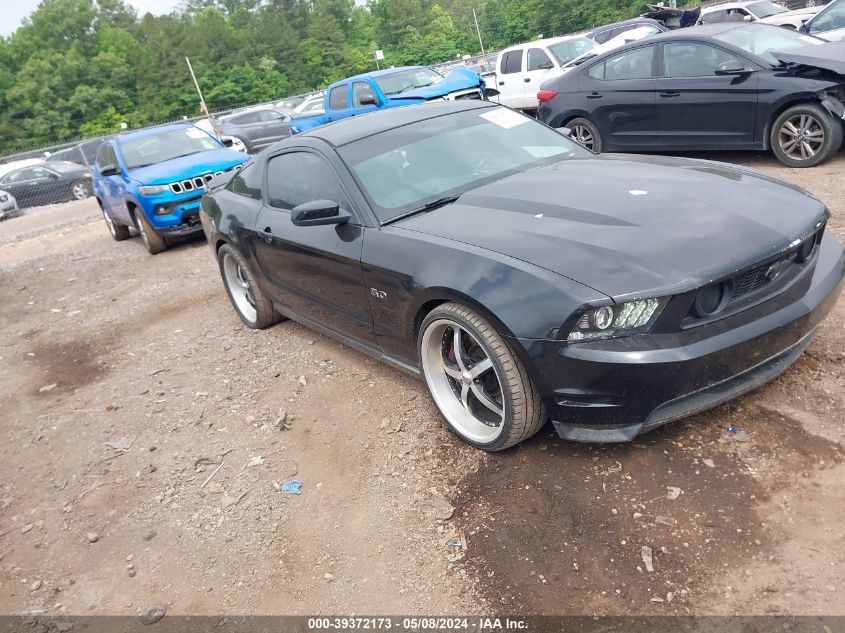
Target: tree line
[(78, 68)]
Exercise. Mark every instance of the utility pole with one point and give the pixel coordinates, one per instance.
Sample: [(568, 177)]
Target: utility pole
[(477, 30), (203, 107)]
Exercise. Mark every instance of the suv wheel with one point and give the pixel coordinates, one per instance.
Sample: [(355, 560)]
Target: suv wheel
[(152, 240), (805, 135), (480, 387), (118, 231)]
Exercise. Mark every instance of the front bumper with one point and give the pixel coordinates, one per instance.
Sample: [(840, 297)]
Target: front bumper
[(613, 390), (180, 215)]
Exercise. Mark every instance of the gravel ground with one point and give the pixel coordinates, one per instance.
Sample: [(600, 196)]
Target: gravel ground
[(146, 432)]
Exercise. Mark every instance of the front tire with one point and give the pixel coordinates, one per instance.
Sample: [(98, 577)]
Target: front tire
[(805, 135), (585, 133), (152, 240), (480, 387), (80, 190), (254, 309)]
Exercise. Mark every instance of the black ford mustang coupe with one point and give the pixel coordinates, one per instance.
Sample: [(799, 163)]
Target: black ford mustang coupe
[(522, 276)]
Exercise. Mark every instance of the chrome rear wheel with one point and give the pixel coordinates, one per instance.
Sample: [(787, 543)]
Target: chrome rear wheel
[(239, 288)]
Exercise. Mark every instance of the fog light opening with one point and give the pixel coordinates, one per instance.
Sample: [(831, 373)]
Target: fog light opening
[(712, 299)]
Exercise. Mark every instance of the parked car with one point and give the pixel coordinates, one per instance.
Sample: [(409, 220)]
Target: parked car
[(717, 86), (153, 179), (83, 153), (256, 128), (47, 183), (392, 88), (523, 277), (312, 104), (522, 68), (801, 4), (8, 206), (764, 11), (633, 35), (829, 23)]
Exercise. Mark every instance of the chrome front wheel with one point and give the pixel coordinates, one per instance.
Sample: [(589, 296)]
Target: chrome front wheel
[(802, 137), (80, 190)]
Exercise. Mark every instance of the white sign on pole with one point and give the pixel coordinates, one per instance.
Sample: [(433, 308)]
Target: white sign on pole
[(379, 55)]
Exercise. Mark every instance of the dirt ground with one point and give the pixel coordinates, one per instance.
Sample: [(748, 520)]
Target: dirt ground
[(145, 432)]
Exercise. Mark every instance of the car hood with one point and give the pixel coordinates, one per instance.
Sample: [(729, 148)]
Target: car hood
[(828, 56), (631, 226), (188, 166), (459, 79)]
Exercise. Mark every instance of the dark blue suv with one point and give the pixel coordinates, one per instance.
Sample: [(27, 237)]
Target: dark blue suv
[(153, 180)]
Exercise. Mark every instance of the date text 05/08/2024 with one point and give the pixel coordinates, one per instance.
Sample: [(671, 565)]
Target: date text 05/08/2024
[(417, 623)]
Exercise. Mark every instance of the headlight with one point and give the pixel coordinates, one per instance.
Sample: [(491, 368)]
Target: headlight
[(622, 319), (152, 190), (87, 174)]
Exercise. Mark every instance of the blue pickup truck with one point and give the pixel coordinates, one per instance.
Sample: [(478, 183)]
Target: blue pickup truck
[(152, 180), (392, 88)]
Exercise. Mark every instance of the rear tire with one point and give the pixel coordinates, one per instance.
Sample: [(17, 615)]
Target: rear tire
[(585, 133), (118, 231), (254, 309), (481, 388), (154, 242), (805, 135)]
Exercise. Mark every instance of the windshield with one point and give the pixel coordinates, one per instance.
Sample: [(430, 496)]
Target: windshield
[(403, 169), (762, 40), (396, 83), (568, 50), (167, 145), (64, 167), (765, 8)]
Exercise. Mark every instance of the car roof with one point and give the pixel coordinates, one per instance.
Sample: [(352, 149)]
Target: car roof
[(727, 5), (703, 30), (378, 73), (132, 136), (355, 128), (616, 25)]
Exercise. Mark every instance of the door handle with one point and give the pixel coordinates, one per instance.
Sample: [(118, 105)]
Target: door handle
[(595, 95), (527, 79), (267, 235), (501, 83), (671, 94)]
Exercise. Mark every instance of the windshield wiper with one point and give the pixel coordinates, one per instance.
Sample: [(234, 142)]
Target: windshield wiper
[(413, 87), (428, 206)]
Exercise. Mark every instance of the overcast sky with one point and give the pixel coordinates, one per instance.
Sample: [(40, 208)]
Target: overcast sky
[(14, 11)]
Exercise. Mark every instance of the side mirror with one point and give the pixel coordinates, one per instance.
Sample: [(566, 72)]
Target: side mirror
[(732, 67), (747, 18), (228, 141), (318, 213), (368, 99), (545, 66), (109, 170)]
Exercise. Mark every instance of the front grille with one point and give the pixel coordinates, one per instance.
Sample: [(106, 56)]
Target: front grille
[(197, 183), (750, 280)]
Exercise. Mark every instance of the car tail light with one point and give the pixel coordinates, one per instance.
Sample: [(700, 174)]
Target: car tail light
[(545, 95)]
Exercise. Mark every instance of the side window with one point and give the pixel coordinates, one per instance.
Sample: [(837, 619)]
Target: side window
[(299, 177), (41, 172), (538, 60), (13, 177), (106, 156), (634, 64), (269, 116), (338, 99), (715, 16), (247, 182), (833, 18), (361, 90), (690, 59), (512, 62), (596, 71)]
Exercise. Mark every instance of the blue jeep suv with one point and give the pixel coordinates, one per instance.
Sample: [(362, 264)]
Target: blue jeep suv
[(153, 180)]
